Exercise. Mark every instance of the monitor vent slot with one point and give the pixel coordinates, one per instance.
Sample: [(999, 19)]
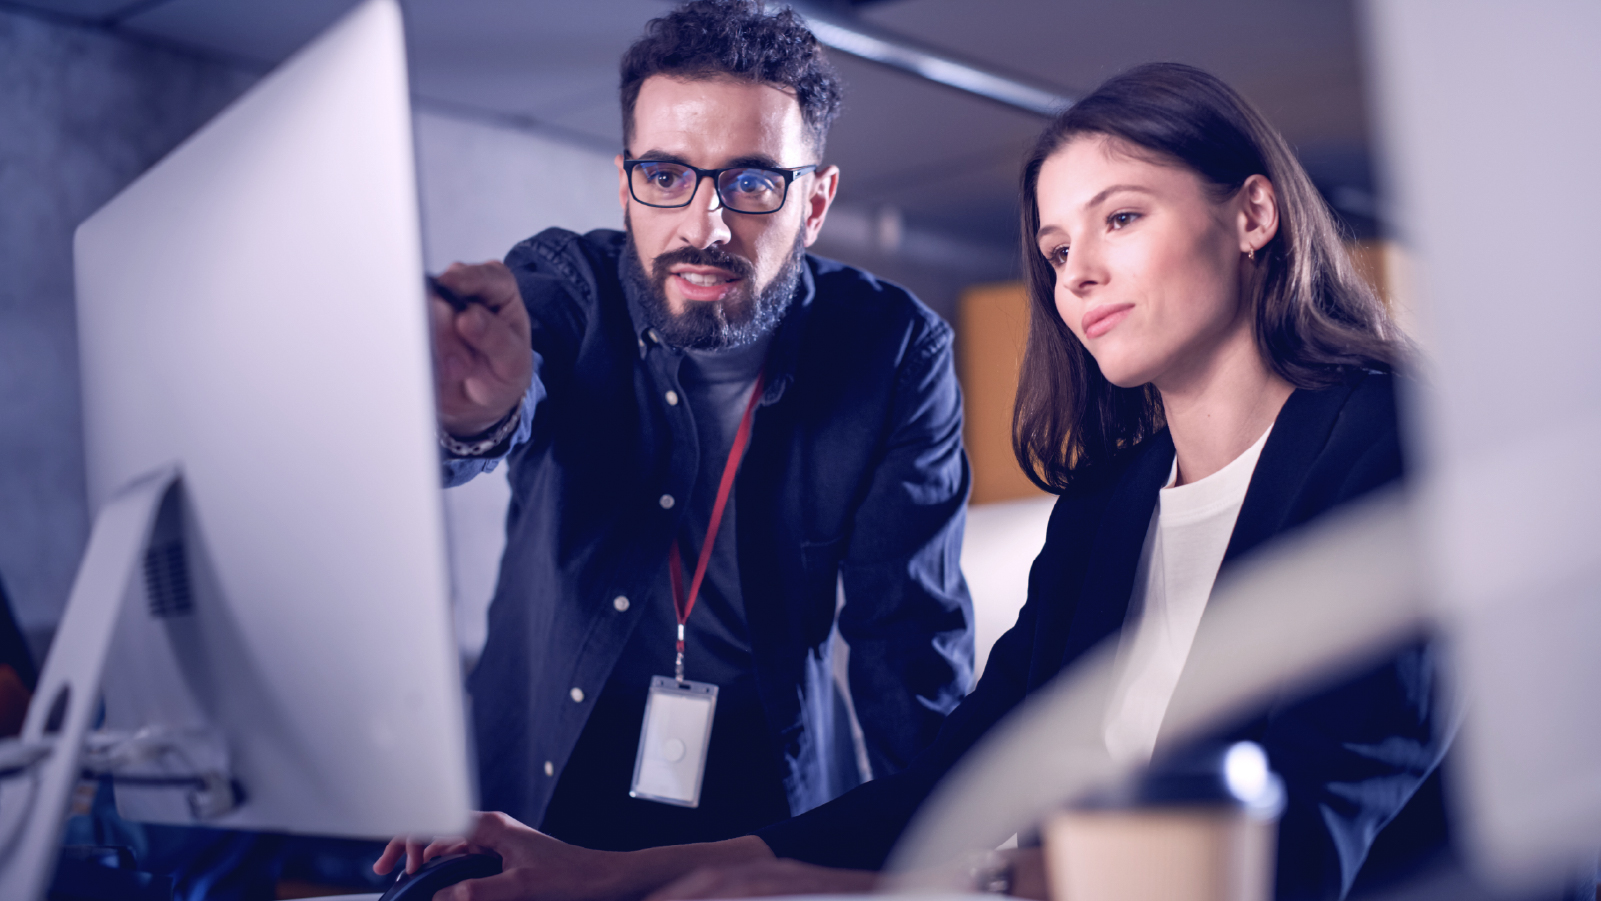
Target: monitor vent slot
[(167, 580)]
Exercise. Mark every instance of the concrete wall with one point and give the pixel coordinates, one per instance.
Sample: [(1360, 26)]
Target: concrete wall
[(81, 114), (484, 188)]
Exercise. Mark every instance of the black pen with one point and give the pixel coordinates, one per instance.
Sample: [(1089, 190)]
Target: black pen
[(457, 302)]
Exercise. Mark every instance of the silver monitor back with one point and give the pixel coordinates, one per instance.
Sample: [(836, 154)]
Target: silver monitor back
[(251, 309)]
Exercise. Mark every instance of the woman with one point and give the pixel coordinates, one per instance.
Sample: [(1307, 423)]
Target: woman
[(1204, 371)]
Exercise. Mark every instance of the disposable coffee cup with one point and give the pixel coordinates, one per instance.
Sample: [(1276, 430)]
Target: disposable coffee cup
[(1199, 828)]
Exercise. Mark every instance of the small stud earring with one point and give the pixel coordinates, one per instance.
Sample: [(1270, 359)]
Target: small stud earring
[(1251, 254)]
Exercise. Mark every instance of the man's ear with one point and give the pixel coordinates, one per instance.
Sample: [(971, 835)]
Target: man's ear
[(819, 196), (622, 182), (1258, 213)]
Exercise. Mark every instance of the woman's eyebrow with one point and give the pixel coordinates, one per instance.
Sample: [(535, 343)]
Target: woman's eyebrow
[(1046, 231), (1107, 192)]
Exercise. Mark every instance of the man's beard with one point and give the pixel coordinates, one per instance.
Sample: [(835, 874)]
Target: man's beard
[(736, 321)]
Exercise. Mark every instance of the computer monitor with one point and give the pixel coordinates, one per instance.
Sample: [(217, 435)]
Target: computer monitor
[(253, 323)]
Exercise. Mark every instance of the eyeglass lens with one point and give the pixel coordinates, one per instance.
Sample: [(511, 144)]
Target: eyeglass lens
[(747, 190)]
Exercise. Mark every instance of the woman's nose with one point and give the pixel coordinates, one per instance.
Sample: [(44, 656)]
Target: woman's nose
[(1083, 270)]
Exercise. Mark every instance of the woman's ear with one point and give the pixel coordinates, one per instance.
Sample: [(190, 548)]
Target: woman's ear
[(1258, 214)]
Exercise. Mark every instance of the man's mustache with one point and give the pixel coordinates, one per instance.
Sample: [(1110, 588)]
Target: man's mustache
[(735, 265)]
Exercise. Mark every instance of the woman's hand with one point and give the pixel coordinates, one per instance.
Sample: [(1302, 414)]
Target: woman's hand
[(767, 877)]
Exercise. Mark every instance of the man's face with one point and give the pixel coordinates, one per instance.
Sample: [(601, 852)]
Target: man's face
[(715, 275)]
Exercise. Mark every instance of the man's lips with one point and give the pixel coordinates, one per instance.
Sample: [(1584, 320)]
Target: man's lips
[(702, 283), (1098, 320)]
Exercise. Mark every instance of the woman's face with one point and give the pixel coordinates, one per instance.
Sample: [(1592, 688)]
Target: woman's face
[(1148, 266)]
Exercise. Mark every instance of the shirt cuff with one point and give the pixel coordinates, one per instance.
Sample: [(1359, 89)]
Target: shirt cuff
[(460, 470)]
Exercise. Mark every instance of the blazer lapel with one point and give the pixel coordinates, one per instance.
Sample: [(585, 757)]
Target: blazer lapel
[(1299, 435), (1103, 603)]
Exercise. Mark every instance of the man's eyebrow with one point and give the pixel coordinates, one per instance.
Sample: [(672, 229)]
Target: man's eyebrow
[(1096, 200), (758, 161), (661, 156)]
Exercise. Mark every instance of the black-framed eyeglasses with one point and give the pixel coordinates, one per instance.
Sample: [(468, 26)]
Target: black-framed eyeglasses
[(743, 189)]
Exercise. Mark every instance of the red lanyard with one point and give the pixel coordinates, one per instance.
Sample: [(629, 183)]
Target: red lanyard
[(682, 603)]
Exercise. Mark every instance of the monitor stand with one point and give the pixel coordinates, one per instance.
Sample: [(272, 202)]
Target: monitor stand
[(44, 764)]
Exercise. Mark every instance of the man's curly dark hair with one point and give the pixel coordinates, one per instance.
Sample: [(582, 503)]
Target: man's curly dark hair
[(739, 39)]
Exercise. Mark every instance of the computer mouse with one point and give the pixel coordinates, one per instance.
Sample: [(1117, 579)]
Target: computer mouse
[(441, 872)]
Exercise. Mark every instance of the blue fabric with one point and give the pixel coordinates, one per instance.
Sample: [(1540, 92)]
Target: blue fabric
[(1352, 757), (855, 474)]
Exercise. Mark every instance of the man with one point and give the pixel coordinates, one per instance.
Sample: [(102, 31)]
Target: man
[(703, 343)]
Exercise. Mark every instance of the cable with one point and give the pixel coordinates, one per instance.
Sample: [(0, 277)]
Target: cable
[(18, 757)]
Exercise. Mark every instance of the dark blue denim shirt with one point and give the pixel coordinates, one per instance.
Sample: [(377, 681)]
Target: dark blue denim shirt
[(855, 479)]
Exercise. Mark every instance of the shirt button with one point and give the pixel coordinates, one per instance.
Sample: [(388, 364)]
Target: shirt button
[(550, 768), (672, 398), (621, 603), (667, 502), (577, 695)]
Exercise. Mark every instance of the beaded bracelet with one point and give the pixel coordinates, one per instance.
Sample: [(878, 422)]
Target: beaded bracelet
[(485, 441)]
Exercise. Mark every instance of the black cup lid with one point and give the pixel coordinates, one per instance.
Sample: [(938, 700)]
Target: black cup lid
[(1236, 775)]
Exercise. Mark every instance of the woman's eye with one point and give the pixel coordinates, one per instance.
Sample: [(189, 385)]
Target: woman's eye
[(1118, 220), (1056, 256)]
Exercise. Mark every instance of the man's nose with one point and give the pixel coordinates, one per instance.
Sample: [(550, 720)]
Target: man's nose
[(704, 222)]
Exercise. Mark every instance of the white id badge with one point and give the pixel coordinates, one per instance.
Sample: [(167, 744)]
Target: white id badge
[(672, 742)]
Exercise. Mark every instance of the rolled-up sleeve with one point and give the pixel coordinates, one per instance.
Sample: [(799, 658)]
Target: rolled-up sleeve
[(461, 470)]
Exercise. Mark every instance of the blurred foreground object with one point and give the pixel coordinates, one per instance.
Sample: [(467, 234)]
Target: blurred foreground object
[(1489, 129), (1200, 829)]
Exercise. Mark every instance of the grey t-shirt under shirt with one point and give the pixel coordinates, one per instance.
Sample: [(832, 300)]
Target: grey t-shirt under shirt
[(743, 789), (717, 385)]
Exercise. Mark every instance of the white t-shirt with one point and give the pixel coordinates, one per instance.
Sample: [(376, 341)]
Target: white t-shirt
[(1184, 546)]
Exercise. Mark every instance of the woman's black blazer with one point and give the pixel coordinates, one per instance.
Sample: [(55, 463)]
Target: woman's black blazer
[(1351, 757)]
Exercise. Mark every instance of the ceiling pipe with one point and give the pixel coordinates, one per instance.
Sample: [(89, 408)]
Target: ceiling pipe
[(848, 34)]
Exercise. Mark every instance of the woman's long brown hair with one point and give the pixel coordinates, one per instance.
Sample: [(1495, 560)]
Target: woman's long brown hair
[(1315, 319)]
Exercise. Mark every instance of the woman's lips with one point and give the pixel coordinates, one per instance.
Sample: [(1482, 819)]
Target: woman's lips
[(722, 284), (1101, 319)]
